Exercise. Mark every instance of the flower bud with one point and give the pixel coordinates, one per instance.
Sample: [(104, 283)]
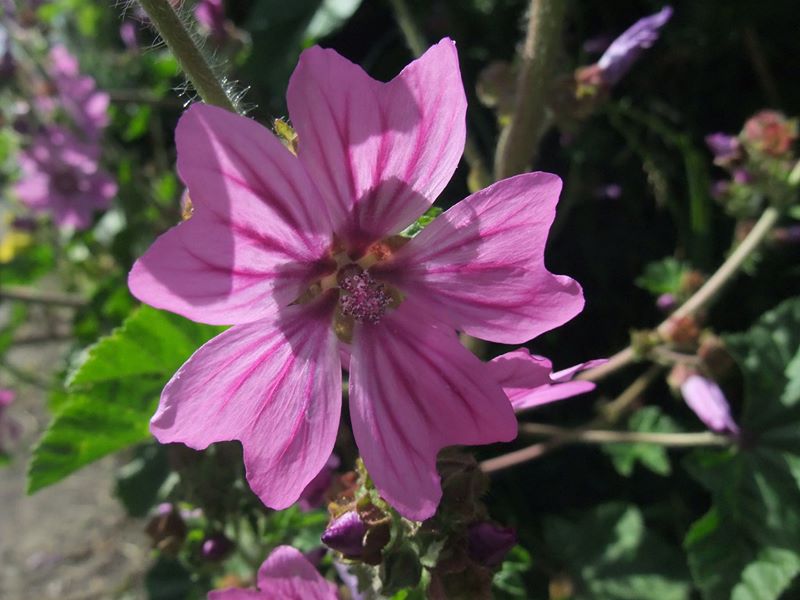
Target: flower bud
[(345, 534), (666, 303), (216, 547), (770, 132), (488, 543)]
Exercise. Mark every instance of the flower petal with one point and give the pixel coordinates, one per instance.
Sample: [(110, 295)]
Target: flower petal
[(708, 402), (288, 575), (257, 234), (273, 385), (236, 594), (480, 266), (380, 153), (414, 389), (528, 380)]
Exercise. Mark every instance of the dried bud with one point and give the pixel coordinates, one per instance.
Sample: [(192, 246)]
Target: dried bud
[(770, 132), (488, 543), (345, 534), (680, 331), (216, 547), (715, 356), (691, 281), (167, 529)]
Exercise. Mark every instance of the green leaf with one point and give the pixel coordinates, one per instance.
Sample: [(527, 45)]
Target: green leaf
[(421, 223), (663, 276), (114, 392), (330, 15), (509, 580), (748, 546), (149, 342), (139, 481), (610, 554), (651, 456)]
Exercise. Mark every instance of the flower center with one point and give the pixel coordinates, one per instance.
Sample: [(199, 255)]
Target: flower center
[(361, 296), (65, 182)]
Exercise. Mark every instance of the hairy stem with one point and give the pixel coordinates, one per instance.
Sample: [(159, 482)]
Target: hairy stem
[(596, 436), (36, 297), (187, 53), (703, 297), (516, 148)]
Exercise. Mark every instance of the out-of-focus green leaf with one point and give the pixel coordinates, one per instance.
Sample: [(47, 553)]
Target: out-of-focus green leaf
[(113, 393), (508, 581), (750, 542), (651, 456), (421, 223), (139, 481), (663, 276), (610, 554), (330, 15)]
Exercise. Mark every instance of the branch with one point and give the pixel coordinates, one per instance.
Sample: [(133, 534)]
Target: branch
[(519, 140), (611, 413), (37, 297), (596, 436), (703, 297), (187, 53)]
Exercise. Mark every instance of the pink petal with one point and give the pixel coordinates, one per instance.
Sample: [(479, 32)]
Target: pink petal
[(480, 266), (274, 385), (237, 594), (414, 389), (708, 402), (380, 153), (528, 380), (258, 232), (287, 574)]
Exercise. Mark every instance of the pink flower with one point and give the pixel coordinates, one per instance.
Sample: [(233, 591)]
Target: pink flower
[(286, 574), (314, 493), (708, 402), (78, 94), (528, 380), (211, 16), (301, 255), (60, 175)]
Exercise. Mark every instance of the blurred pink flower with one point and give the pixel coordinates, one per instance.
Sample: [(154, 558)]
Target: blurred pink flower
[(211, 16), (286, 574), (301, 255), (528, 380), (623, 52), (313, 496), (725, 148), (770, 132), (708, 402), (60, 176), (78, 94)]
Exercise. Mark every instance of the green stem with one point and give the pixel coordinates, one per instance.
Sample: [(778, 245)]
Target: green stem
[(518, 143), (599, 436), (187, 53)]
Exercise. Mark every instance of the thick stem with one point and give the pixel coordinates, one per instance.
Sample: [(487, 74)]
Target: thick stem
[(595, 436), (187, 53), (520, 139), (36, 297), (702, 297)]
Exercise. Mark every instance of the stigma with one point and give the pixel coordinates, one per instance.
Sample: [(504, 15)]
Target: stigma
[(361, 297)]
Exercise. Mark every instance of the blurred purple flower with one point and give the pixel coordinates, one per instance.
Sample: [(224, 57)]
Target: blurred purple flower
[(617, 60), (314, 494), (345, 534), (708, 402), (488, 543), (129, 34), (78, 94), (725, 148), (720, 188), (742, 176), (529, 381), (666, 303), (216, 547), (610, 191), (211, 16), (61, 176), (349, 580)]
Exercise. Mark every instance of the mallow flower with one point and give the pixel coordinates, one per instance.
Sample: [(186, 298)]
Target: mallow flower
[(708, 402), (301, 254), (286, 574), (61, 176)]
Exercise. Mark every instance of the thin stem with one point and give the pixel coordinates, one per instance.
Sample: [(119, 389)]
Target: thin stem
[(611, 413), (597, 436), (36, 297), (703, 297), (418, 45), (519, 140), (187, 53)]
